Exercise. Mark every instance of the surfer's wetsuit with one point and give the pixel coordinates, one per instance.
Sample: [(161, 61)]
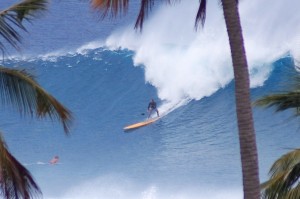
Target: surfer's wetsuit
[(151, 107)]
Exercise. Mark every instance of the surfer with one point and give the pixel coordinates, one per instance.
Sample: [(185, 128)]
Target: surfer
[(151, 107), (54, 160)]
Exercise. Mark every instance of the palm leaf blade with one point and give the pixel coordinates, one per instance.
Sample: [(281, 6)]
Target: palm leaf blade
[(17, 87), (201, 14), (285, 174), (281, 101), (110, 6), (16, 180), (12, 17)]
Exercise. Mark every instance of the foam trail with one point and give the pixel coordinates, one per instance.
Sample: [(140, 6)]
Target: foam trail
[(40, 163), (170, 106), (184, 64), (36, 163)]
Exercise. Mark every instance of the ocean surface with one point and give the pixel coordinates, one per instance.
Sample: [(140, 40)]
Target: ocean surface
[(106, 73)]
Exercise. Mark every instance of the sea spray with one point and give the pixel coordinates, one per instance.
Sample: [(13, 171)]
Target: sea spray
[(182, 63)]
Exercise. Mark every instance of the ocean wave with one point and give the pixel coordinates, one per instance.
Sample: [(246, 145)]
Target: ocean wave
[(182, 63)]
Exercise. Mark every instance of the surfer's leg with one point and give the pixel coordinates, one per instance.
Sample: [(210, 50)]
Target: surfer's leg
[(150, 111)]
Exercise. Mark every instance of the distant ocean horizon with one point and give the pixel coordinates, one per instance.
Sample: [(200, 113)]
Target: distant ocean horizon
[(106, 73)]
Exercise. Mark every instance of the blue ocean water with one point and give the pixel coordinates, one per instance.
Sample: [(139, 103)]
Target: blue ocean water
[(106, 73)]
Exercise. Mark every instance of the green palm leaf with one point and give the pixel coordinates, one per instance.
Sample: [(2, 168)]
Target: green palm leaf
[(281, 101), (285, 162), (110, 6), (284, 180), (11, 19), (289, 99), (293, 193), (120, 6), (16, 180), (19, 88)]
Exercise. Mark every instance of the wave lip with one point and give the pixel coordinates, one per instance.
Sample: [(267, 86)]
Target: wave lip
[(184, 64)]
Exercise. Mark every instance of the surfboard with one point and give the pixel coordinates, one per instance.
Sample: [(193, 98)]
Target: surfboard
[(140, 124)]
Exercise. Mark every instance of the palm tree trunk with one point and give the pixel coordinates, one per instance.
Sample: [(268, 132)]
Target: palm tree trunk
[(246, 130)]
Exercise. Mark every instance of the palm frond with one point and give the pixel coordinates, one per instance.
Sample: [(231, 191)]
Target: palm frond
[(15, 180), (11, 19), (293, 193), (114, 7), (288, 98), (201, 14), (19, 88), (285, 162), (281, 101), (118, 6), (285, 175), (281, 185), (146, 6), (273, 188)]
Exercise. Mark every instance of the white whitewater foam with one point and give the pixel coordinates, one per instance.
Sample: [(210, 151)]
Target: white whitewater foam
[(182, 63)]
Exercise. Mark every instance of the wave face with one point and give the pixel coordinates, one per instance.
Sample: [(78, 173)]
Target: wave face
[(189, 153), (199, 63), (192, 151)]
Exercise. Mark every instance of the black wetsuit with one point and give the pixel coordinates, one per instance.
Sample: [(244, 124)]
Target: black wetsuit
[(152, 105)]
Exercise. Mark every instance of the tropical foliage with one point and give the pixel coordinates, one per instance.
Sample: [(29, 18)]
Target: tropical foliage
[(243, 103), (16, 180), (20, 89), (11, 20), (285, 172), (281, 101), (289, 99), (284, 178)]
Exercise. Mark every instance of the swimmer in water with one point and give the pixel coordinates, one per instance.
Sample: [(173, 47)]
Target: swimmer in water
[(54, 160)]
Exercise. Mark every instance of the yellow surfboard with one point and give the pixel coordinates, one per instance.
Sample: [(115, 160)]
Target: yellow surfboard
[(140, 124)]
